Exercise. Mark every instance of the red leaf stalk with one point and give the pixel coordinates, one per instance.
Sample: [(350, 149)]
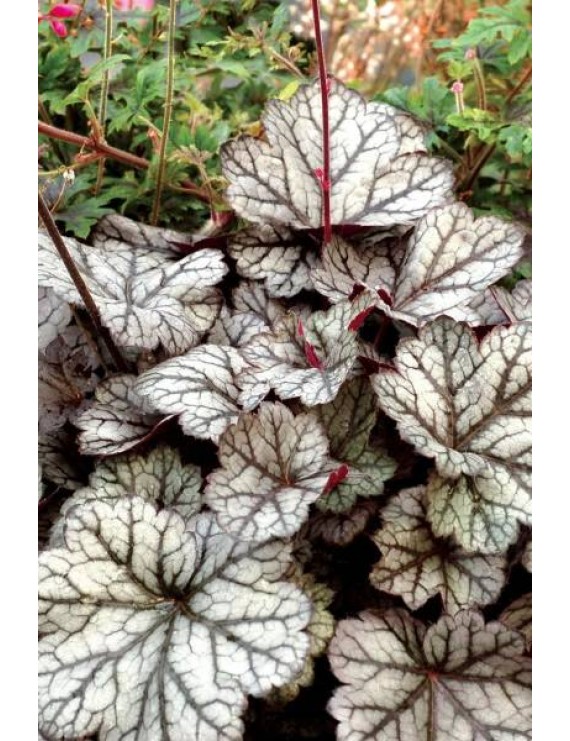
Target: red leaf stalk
[(324, 176)]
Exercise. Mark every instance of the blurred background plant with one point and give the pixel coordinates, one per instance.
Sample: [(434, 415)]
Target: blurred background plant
[(462, 66)]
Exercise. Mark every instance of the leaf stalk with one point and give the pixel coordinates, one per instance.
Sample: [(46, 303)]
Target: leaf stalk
[(167, 114), (324, 176)]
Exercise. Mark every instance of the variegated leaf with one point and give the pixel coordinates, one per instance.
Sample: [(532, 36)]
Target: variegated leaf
[(117, 420), (348, 421), (459, 680), (320, 630), (306, 360), (199, 387), (416, 565), (380, 174), (53, 317), (145, 299), (66, 374), (449, 261), (518, 616), (273, 466), (114, 231), (340, 528), (482, 513), (159, 477), (279, 256), (157, 628), (464, 403)]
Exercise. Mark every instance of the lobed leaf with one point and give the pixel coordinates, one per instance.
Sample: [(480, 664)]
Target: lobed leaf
[(199, 387), (156, 628), (482, 513), (306, 360), (348, 421), (465, 404), (144, 298), (117, 420), (459, 680), (380, 174), (273, 466), (159, 477), (275, 254), (416, 565), (448, 261)]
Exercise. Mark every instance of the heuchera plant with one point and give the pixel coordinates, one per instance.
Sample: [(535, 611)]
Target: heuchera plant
[(297, 452)]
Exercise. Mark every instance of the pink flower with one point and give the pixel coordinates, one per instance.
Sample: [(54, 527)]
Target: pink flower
[(134, 4), (57, 12)]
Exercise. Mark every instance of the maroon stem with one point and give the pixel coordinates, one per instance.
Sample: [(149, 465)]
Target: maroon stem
[(325, 177)]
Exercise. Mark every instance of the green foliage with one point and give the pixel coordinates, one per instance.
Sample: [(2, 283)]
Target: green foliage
[(222, 79), (491, 138)]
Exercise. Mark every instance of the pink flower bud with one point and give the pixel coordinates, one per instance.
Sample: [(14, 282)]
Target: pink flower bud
[(457, 87), (64, 11), (59, 29), (471, 54)]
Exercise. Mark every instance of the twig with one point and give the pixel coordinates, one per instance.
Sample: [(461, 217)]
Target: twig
[(103, 149), (104, 89), (325, 176), (80, 284), (467, 183), (167, 115)]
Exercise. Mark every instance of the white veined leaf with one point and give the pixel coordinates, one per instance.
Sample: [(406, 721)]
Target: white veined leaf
[(273, 466), (158, 628), (117, 420), (320, 630), (340, 528), (348, 421), (459, 679), (144, 298), (254, 312), (449, 260), (482, 513), (517, 305), (416, 565), (464, 403), (279, 256), (159, 477), (53, 316), (308, 360), (235, 328), (199, 387), (518, 616), (66, 374), (251, 297), (380, 173), (344, 266)]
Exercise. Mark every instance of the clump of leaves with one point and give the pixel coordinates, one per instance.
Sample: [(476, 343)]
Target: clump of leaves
[(312, 433)]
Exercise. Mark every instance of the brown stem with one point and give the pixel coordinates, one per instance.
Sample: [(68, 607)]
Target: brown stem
[(103, 149), (326, 174), (471, 177), (80, 284), (519, 86)]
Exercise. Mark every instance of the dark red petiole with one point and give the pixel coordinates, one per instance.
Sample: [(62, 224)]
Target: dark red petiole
[(323, 175)]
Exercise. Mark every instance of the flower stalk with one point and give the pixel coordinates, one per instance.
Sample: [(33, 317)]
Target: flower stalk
[(167, 115), (324, 174), (104, 88)]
